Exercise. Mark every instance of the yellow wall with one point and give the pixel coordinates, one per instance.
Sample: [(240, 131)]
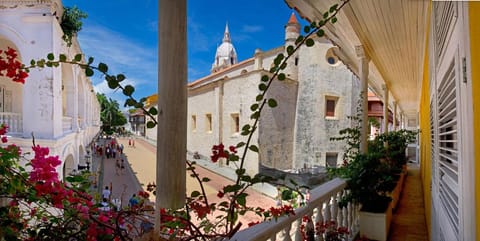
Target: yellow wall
[(425, 143), (425, 137), (474, 20)]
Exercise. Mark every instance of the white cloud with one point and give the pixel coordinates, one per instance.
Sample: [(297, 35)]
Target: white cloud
[(122, 55)]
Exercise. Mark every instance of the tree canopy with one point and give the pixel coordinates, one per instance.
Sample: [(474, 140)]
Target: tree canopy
[(110, 113)]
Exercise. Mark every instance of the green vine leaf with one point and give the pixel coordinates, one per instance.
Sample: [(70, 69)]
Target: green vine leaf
[(325, 15), (299, 39), (262, 87), (259, 97), (195, 194), (78, 57), (240, 144), (254, 107), (50, 56), (272, 103), (113, 84), (306, 29), (128, 90), (290, 50), (281, 76), (153, 111), (62, 58), (90, 60), (320, 33), (102, 67), (265, 78), (253, 148), (120, 77), (88, 72), (150, 124), (309, 42)]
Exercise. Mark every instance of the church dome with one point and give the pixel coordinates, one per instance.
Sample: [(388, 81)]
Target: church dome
[(226, 54)]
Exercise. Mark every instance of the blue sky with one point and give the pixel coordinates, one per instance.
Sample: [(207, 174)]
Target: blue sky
[(123, 35)]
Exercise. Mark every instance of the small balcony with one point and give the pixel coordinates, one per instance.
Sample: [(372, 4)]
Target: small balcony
[(14, 122)]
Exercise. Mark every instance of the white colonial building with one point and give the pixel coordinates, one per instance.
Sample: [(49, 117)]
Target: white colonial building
[(314, 102), (57, 106)]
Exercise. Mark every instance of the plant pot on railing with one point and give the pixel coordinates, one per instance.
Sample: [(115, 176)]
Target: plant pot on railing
[(376, 225), (397, 191)]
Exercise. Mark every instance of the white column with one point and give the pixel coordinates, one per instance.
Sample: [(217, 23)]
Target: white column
[(394, 115), (363, 72), (76, 78), (172, 106), (385, 108)]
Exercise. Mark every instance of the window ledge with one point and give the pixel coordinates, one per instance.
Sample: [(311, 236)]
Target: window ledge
[(331, 118)]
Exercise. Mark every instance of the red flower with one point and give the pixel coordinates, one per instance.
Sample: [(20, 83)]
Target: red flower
[(4, 139), (218, 152), (11, 67), (220, 194), (232, 149), (253, 223)]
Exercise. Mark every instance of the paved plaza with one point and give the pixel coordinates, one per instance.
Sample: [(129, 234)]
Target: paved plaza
[(141, 170)]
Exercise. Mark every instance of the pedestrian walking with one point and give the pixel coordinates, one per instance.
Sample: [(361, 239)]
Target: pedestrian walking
[(133, 143), (104, 205), (117, 167), (106, 193), (122, 167), (129, 142), (133, 201)]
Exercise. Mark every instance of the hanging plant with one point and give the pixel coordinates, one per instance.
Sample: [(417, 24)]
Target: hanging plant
[(71, 23)]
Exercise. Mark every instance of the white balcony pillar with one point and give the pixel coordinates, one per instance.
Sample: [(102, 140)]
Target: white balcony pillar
[(385, 109), (172, 106), (363, 72), (76, 73), (394, 115)]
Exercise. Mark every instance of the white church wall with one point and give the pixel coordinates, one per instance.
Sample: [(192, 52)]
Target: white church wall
[(318, 80)]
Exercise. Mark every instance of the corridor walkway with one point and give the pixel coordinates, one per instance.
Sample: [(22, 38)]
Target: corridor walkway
[(408, 222)]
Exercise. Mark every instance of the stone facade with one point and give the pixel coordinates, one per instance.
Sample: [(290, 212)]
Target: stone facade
[(294, 135), (56, 105)]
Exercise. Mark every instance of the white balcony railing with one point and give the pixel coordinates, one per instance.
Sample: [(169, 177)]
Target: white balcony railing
[(14, 122), (67, 123), (323, 206)]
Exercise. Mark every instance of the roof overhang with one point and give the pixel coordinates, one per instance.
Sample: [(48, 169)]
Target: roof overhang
[(393, 35)]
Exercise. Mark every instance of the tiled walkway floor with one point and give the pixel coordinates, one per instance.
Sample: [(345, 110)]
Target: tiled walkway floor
[(408, 222)]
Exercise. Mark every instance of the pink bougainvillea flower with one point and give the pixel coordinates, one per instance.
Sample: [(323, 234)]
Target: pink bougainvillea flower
[(11, 67), (4, 139)]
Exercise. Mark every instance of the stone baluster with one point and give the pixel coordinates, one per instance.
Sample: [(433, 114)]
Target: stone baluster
[(319, 219), (334, 204), (328, 216), (9, 122), (286, 232), (297, 236), (340, 216), (273, 237)]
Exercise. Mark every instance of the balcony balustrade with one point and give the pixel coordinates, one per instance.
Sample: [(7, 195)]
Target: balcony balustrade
[(14, 122), (322, 207)]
